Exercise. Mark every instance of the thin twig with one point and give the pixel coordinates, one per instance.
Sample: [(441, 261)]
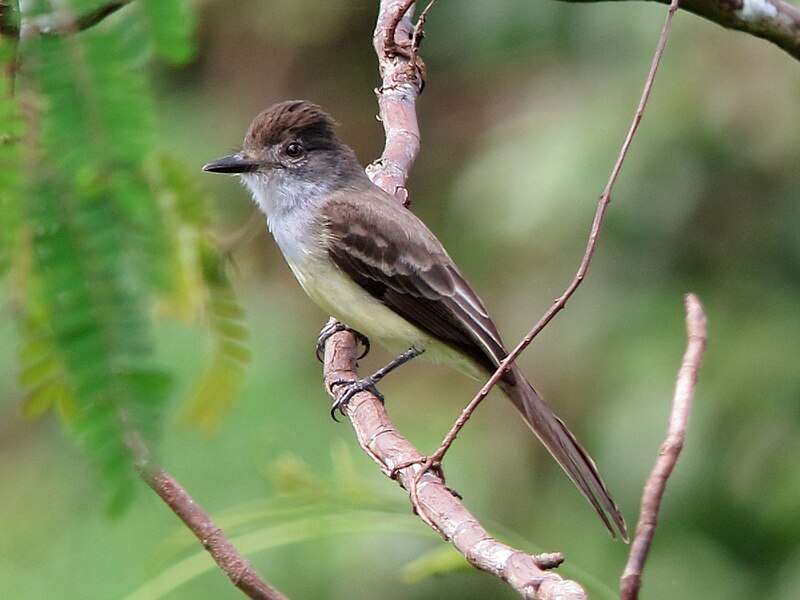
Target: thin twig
[(434, 502), (561, 302), (92, 17), (419, 31), (233, 564), (397, 11), (670, 450)]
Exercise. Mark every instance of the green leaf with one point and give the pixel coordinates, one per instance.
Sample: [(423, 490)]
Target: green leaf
[(200, 288), (98, 233), (93, 325), (11, 131), (172, 25), (90, 214), (43, 374)]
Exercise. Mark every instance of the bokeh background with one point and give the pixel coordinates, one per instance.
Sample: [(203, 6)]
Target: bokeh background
[(524, 110)]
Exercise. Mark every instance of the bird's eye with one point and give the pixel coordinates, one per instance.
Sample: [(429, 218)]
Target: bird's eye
[(295, 150)]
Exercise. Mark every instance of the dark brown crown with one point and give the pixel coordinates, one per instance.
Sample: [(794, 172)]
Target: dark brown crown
[(293, 118)]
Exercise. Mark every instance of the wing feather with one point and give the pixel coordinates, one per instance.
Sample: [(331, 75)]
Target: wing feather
[(396, 259)]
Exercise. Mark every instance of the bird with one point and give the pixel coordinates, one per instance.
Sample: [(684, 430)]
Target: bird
[(373, 265)]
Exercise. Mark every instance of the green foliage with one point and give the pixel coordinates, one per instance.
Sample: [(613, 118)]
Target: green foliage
[(43, 372), (305, 506), (11, 131), (200, 284), (219, 384), (94, 316), (524, 111), (172, 24), (110, 229)]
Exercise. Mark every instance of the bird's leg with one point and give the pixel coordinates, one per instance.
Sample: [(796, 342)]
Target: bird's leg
[(368, 383), (334, 326)]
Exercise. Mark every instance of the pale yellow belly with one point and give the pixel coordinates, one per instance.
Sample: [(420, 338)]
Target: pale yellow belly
[(337, 294)]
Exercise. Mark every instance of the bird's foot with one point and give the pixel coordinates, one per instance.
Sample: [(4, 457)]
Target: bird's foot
[(353, 387), (368, 383), (332, 327)]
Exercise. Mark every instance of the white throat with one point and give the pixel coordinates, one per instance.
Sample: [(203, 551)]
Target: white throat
[(290, 205)]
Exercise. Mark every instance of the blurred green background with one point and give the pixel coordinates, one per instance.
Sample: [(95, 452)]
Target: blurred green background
[(525, 108)]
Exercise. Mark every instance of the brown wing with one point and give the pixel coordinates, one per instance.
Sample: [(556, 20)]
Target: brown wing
[(390, 253), (395, 258)]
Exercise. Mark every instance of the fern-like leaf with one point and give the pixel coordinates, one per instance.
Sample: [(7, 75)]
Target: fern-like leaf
[(90, 213), (201, 288), (219, 384), (105, 234), (43, 373), (98, 327)]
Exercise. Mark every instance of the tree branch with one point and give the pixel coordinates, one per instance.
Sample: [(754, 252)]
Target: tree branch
[(443, 510), (49, 25), (402, 75), (8, 16), (233, 564), (670, 450), (402, 79), (773, 20)]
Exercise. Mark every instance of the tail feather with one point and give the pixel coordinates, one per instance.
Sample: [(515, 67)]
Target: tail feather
[(561, 443)]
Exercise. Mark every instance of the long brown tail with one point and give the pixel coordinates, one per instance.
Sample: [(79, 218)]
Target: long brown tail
[(559, 440)]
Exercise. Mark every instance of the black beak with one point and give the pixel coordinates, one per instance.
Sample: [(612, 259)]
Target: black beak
[(235, 163)]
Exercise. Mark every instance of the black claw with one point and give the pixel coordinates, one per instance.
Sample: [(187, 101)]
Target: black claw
[(327, 331), (363, 340), (332, 327), (368, 383), (353, 388)]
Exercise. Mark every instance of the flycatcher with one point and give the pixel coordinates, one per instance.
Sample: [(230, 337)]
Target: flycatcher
[(374, 266)]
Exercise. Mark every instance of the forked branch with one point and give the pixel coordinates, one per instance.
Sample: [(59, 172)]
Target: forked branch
[(436, 503)]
